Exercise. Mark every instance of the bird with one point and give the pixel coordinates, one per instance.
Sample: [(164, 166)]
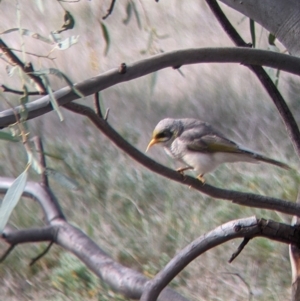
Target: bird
[(200, 147)]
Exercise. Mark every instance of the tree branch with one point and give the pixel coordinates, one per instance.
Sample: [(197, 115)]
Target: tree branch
[(284, 111), (241, 198), (247, 227), (122, 279), (175, 58), (26, 68)]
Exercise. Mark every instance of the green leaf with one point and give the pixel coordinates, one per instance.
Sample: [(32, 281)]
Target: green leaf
[(67, 43), (52, 97), (128, 13), (29, 33), (12, 198), (62, 179), (106, 37), (8, 137), (252, 31), (136, 13), (60, 75), (69, 22)]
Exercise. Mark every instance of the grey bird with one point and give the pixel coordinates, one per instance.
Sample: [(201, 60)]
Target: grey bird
[(200, 147)]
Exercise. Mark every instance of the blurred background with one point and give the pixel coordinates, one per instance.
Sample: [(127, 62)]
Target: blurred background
[(138, 217)]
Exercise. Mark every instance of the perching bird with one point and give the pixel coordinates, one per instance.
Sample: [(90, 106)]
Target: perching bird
[(200, 147)]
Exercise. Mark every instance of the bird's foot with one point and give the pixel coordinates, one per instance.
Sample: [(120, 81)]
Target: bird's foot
[(201, 179), (183, 169)]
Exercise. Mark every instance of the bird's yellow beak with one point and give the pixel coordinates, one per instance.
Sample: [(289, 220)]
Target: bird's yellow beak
[(152, 142)]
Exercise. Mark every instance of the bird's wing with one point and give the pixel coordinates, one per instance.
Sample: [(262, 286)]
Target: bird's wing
[(201, 141)]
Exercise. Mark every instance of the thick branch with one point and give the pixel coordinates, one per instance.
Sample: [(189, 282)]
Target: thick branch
[(281, 18), (247, 228), (122, 279), (241, 198), (175, 58)]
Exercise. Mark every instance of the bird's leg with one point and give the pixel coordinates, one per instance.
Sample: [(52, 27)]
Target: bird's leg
[(182, 169), (200, 178)]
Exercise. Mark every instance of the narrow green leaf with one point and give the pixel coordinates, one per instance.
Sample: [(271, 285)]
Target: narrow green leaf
[(53, 156), (153, 80), (106, 37), (12, 198), (40, 5), (29, 33), (62, 179), (128, 13), (52, 97), (136, 13), (252, 31), (60, 75), (8, 137)]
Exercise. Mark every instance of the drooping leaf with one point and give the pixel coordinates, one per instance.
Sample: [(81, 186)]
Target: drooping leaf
[(67, 43), (33, 161), (52, 97), (40, 5), (29, 33), (136, 13), (69, 22), (12, 198), (11, 70), (8, 137), (252, 31), (62, 179), (153, 80), (106, 37), (128, 13)]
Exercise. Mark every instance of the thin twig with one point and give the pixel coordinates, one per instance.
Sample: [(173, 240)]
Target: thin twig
[(239, 249), (18, 92), (7, 252), (110, 10), (26, 68), (34, 260), (97, 105), (42, 159)]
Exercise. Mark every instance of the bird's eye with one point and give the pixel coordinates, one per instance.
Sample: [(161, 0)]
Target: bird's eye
[(162, 135)]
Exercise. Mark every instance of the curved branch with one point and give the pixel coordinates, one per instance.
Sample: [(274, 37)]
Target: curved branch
[(174, 58), (122, 279), (247, 227), (241, 198)]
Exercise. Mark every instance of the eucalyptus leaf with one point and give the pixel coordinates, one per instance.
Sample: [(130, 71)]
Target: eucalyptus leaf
[(12, 198), (67, 43), (8, 137), (128, 13), (62, 179), (137, 16), (106, 37)]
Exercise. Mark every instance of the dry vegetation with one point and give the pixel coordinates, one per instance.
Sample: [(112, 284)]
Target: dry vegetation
[(138, 217)]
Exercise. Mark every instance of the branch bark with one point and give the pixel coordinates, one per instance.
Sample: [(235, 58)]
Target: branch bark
[(241, 198), (122, 279), (247, 227), (282, 18), (174, 58)]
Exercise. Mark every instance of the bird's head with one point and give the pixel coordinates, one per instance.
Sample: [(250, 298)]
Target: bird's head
[(165, 132)]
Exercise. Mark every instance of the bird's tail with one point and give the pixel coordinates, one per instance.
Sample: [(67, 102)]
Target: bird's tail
[(262, 158)]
